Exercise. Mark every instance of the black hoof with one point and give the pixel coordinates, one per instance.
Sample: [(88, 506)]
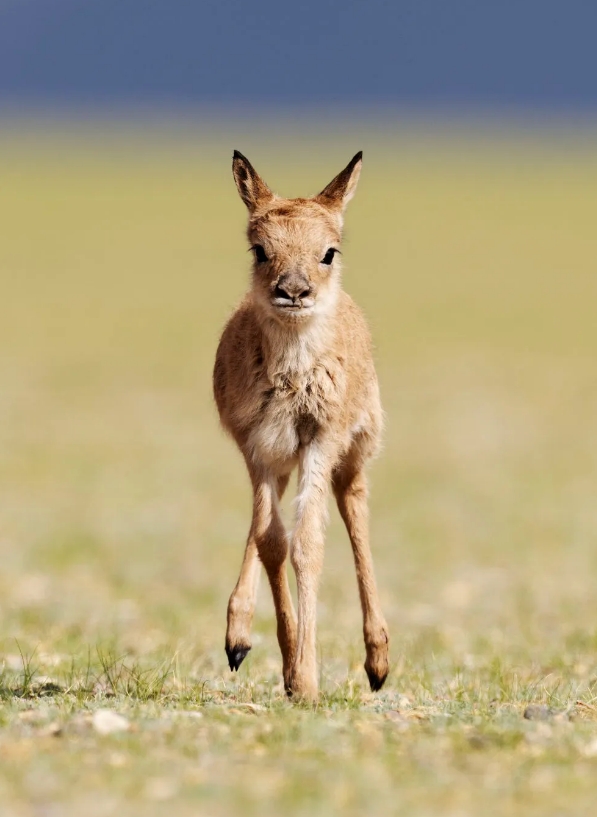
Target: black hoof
[(236, 655), (375, 681)]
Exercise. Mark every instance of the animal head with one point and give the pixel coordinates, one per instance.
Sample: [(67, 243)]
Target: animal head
[(295, 242)]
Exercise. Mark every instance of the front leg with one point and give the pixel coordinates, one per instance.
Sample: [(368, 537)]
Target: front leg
[(307, 559), (241, 606)]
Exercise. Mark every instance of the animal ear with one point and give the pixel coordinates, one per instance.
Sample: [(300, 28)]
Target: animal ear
[(341, 189), (251, 186)]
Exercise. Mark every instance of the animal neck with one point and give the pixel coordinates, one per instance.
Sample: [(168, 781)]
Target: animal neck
[(296, 349)]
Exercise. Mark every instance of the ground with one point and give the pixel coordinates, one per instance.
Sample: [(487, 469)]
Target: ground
[(124, 509)]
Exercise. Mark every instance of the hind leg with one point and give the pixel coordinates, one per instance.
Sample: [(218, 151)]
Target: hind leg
[(350, 487)]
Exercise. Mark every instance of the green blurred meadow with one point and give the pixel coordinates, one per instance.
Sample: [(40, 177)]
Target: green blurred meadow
[(124, 509)]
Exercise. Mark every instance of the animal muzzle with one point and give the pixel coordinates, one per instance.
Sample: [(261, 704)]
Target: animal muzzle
[(292, 287)]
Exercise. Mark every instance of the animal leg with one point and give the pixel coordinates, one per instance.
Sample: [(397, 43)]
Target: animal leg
[(272, 547), (241, 605), (350, 488), (307, 558)]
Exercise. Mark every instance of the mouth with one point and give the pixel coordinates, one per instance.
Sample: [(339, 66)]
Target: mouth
[(287, 307)]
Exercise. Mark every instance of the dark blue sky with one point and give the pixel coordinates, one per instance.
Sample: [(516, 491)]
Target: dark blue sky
[(536, 54)]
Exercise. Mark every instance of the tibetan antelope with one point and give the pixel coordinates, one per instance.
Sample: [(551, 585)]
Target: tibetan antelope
[(295, 384)]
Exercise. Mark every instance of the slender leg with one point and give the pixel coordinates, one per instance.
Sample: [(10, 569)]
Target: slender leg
[(242, 606), (350, 488), (272, 546), (242, 601), (307, 558)]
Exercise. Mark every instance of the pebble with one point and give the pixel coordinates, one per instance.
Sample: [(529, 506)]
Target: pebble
[(107, 722), (538, 712)]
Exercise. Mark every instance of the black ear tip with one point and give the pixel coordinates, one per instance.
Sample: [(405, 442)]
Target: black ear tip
[(358, 157), (238, 155)]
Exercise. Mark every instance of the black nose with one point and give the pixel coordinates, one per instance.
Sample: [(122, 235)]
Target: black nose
[(281, 293), (290, 293)]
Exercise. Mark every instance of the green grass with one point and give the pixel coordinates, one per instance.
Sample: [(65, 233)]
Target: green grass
[(124, 509)]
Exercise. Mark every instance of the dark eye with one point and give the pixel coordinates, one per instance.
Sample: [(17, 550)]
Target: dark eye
[(259, 253), (329, 256)]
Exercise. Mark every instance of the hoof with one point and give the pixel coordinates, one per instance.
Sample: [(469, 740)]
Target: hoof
[(375, 681), (236, 655), (302, 690)]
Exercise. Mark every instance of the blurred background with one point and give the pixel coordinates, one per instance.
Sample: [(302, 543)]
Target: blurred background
[(470, 245)]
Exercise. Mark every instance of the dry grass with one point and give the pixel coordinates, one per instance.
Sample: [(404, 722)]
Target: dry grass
[(123, 509)]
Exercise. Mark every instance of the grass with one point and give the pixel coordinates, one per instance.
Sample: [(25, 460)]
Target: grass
[(123, 509)]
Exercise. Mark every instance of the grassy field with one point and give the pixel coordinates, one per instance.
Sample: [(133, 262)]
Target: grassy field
[(124, 509)]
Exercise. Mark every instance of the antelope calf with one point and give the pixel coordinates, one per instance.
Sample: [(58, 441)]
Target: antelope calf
[(295, 384)]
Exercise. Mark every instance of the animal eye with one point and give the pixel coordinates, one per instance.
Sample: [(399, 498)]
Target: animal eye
[(329, 256), (259, 253)]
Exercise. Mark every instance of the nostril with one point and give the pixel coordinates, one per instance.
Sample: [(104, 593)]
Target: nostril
[(305, 293), (281, 293)]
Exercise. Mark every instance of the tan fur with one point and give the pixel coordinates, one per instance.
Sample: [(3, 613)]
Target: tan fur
[(295, 385)]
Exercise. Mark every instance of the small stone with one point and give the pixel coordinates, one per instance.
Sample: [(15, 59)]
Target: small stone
[(399, 721), (477, 741), (538, 712), (253, 707), (107, 722), (31, 716), (44, 685), (240, 707), (102, 690), (161, 788), (192, 714), (80, 723), (52, 730), (590, 749)]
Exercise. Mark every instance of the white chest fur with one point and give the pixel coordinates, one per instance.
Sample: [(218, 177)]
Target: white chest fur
[(302, 392)]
